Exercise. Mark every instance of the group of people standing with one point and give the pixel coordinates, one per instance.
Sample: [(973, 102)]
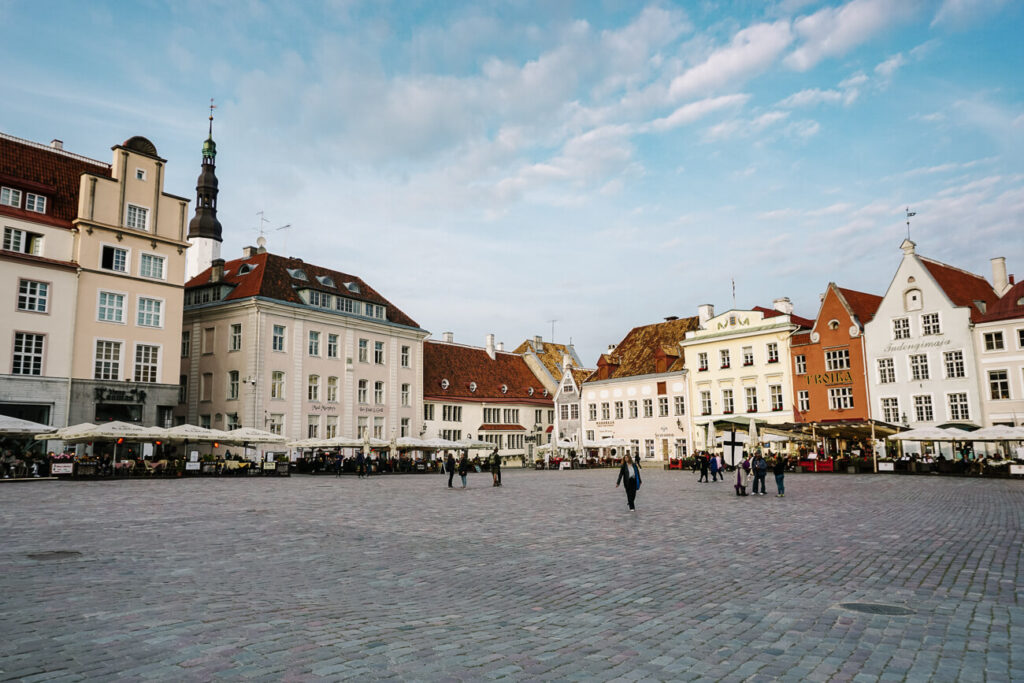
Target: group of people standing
[(758, 468), (462, 466)]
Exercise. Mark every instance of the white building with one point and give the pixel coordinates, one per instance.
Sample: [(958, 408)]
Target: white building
[(484, 394), (921, 362), (999, 345), (568, 426), (639, 392)]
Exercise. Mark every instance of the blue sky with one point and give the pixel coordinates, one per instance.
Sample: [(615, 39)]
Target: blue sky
[(490, 167)]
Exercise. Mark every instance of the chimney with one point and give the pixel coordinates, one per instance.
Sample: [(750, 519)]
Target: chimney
[(448, 336), (566, 362), (705, 312), (490, 346), (1000, 282), (783, 305), (57, 144), (248, 252), (217, 270), (670, 318), (500, 346), (538, 344)]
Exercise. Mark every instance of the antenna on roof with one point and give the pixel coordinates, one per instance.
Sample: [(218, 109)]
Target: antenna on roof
[(910, 214), (261, 229), (212, 107), (553, 329), (734, 294)]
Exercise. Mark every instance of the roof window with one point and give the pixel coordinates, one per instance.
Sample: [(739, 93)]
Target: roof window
[(472, 387), (445, 384), (325, 280), (298, 274), (353, 287), (504, 388), (246, 268)]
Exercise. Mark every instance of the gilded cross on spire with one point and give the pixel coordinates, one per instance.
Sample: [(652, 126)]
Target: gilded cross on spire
[(212, 107)]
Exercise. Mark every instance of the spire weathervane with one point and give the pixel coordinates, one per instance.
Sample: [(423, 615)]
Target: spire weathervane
[(910, 214)]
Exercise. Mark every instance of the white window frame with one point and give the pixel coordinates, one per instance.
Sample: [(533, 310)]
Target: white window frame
[(679, 405), (128, 223), (888, 369), (159, 313), (6, 195), (803, 400), (900, 332), (926, 330), (378, 393), (28, 355), (278, 387), (705, 402), (988, 377), (332, 345), (994, 334), (837, 359), (750, 398), (119, 361), (966, 405), (35, 202), (945, 364), (775, 392), (772, 351), (930, 406), (37, 301), (378, 353), (364, 350), (406, 356), (914, 370), (235, 337), (162, 260), (124, 307), (801, 364), (127, 258), (728, 402), (157, 367), (840, 398), (884, 410), (313, 343), (313, 388), (234, 381), (283, 337), (332, 389)]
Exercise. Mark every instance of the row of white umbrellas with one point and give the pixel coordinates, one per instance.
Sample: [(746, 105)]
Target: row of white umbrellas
[(402, 443), (993, 433), (111, 431)]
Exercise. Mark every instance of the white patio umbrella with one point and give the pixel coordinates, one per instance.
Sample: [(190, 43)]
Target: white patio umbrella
[(114, 431), (195, 433), (250, 435), (995, 433), (752, 440), (474, 445), (13, 426), (711, 437), (68, 433), (932, 434)]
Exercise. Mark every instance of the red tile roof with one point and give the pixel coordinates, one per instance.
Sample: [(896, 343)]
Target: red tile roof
[(270, 278), (862, 304), (637, 353), (800, 339), (55, 174), (962, 288), (462, 365), (794, 318), (1008, 307)]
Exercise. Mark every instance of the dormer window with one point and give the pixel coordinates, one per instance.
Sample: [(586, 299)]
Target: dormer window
[(472, 387), (297, 274), (23, 241), (445, 384), (245, 269), (353, 287), (35, 202), (504, 388), (529, 391), (325, 280), (10, 197)]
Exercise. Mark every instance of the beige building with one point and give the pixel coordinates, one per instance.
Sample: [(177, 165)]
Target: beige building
[(999, 350), (95, 253), (739, 365), (297, 349)]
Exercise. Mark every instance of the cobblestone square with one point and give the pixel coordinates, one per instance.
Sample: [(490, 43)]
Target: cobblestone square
[(546, 578)]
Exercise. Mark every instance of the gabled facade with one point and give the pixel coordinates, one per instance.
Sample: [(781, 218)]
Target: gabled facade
[(739, 363), (297, 349), (569, 406), (484, 394), (999, 347), (548, 360), (920, 347), (639, 392), (828, 363), (96, 254)]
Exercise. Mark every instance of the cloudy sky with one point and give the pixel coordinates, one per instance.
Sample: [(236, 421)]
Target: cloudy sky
[(494, 166)]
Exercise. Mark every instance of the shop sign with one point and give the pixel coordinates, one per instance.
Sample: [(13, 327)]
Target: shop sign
[(829, 378), (605, 423), (270, 466), (886, 467), (1016, 469), (106, 395), (62, 468), (916, 346), (190, 466)]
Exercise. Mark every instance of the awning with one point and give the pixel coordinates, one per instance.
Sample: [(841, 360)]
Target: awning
[(501, 428)]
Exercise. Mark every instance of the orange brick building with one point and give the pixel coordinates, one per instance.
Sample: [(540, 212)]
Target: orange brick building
[(829, 380)]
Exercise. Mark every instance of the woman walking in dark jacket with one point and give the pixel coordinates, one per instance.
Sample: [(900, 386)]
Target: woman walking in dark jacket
[(463, 469), (629, 474), (449, 465)]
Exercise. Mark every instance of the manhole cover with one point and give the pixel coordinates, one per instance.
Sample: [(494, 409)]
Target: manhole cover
[(875, 608), (54, 555)]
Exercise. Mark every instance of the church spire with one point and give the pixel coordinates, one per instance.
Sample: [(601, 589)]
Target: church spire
[(205, 223)]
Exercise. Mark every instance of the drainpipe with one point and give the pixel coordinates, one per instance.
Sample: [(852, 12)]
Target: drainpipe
[(71, 350)]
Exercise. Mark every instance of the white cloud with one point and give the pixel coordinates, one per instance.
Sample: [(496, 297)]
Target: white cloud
[(887, 68), (832, 31), (963, 13), (752, 50), (688, 113), (811, 97)]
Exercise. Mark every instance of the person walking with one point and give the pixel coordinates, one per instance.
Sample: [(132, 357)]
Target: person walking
[(713, 466), (495, 463), (629, 474), (449, 466), (463, 468), (702, 462), (742, 477), (779, 470), (360, 464), (760, 467)]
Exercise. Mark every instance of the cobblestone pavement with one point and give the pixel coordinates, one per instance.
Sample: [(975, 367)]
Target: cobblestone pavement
[(546, 578)]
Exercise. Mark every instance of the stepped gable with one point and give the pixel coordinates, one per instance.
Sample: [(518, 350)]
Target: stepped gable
[(57, 174), (962, 288), (1008, 307), (796, 319), (637, 353), (270, 278), (862, 304), (462, 365), (550, 356)]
